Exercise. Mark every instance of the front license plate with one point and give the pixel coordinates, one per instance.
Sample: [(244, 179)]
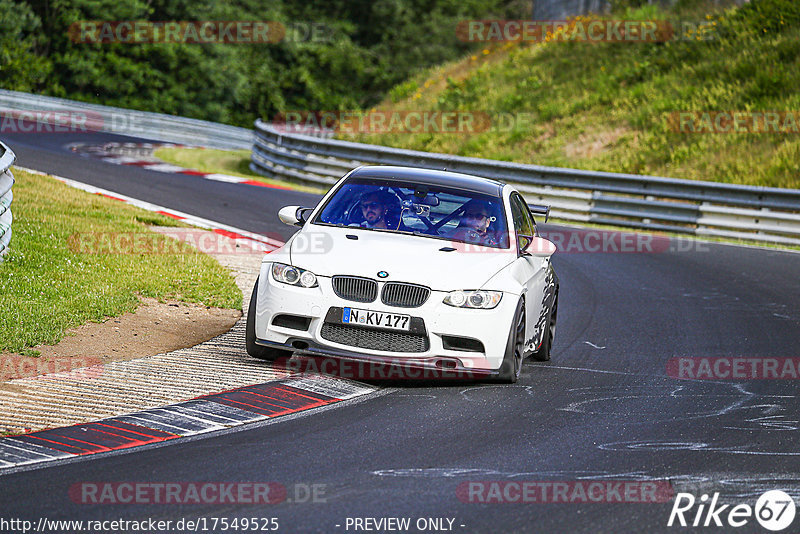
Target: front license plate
[(389, 321)]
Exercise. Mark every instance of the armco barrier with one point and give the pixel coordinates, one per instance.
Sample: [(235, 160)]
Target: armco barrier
[(152, 126), (649, 202), (6, 196), (155, 126)]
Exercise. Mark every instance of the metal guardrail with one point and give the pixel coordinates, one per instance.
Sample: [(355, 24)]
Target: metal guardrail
[(648, 202), (94, 117), (6, 196)]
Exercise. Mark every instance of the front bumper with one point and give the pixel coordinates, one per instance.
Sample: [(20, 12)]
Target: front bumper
[(440, 324), (357, 366)]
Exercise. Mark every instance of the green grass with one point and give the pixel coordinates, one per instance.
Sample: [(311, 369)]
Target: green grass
[(47, 288), (232, 162), (606, 106)]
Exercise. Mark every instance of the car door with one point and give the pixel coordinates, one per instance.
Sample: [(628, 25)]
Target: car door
[(535, 272)]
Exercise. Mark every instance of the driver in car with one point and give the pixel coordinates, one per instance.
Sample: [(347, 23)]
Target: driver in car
[(373, 208), (475, 222)]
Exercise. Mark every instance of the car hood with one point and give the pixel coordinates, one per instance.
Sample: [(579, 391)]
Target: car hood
[(327, 251)]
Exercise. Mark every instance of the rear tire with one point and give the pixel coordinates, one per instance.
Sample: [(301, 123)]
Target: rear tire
[(543, 354), (254, 350), (511, 367)]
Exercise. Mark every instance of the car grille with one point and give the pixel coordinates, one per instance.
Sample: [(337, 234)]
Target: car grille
[(374, 339), (355, 288), (404, 295)]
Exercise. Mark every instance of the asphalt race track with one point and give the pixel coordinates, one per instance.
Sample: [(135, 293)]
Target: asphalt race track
[(232, 204), (604, 409)]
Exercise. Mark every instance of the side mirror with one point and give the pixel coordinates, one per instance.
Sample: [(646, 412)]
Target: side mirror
[(294, 215), (535, 246)]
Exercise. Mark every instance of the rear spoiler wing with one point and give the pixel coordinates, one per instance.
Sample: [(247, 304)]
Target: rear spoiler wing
[(539, 209)]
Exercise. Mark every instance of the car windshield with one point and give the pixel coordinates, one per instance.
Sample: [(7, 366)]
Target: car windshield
[(418, 209)]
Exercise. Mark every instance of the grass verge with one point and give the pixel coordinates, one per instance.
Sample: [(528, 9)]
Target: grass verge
[(608, 106), (231, 162), (47, 287)]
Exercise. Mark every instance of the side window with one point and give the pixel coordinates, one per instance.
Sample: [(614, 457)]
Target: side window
[(516, 214), (523, 221), (529, 216)]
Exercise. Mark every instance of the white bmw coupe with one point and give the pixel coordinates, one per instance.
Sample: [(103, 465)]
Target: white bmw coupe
[(429, 269)]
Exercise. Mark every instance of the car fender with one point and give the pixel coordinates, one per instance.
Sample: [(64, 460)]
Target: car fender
[(539, 297)]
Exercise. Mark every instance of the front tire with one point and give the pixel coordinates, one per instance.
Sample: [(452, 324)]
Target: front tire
[(254, 350), (511, 367)]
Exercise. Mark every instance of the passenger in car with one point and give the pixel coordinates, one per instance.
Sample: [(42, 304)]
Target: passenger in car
[(475, 223)]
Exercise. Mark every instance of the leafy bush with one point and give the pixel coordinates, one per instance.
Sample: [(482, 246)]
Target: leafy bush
[(372, 46)]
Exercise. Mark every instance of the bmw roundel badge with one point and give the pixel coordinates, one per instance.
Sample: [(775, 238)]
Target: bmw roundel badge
[(382, 274)]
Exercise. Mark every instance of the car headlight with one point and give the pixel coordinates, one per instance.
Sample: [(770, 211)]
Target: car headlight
[(483, 300), (293, 276)]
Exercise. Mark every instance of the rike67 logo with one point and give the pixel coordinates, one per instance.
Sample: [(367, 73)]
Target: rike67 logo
[(774, 510)]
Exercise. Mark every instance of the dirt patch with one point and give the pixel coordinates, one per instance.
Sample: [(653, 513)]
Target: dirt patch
[(593, 144), (154, 328)]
